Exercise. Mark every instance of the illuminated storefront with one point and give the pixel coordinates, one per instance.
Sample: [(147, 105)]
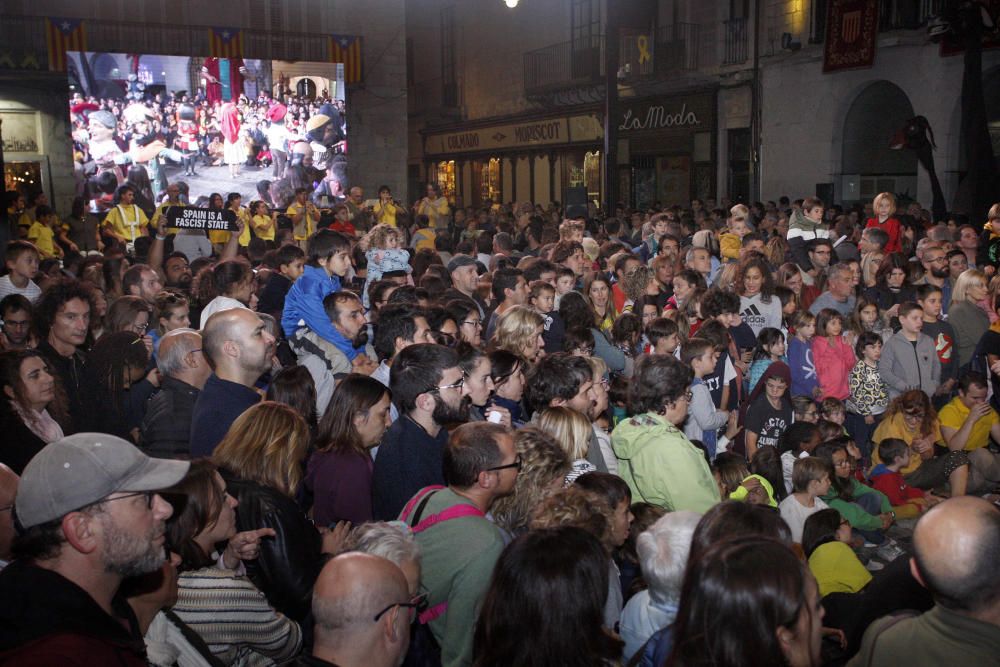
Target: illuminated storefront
[(526, 160)]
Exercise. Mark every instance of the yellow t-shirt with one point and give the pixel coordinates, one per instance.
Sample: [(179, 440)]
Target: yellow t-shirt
[(436, 211), (424, 238), (244, 215), (895, 427), (126, 221), (263, 227), (386, 213), (837, 569), (953, 416), (43, 237), (161, 211), (306, 226)]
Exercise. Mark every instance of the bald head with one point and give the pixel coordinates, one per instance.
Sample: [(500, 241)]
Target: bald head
[(8, 489), (350, 590), (955, 547), (226, 325), (175, 347), (353, 587)]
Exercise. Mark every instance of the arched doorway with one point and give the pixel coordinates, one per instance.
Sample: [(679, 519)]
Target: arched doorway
[(868, 165), (306, 88)]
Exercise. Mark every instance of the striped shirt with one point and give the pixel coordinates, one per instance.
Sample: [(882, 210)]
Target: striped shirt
[(235, 619)]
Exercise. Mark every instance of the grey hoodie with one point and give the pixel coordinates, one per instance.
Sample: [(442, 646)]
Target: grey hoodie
[(904, 367)]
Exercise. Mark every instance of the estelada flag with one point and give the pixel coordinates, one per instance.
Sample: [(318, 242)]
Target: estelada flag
[(347, 49), (62, 35), (225, 42)]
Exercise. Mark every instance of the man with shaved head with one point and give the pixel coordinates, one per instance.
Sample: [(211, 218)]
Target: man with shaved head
[(240, 349), (8, 490), (956, 545), (362, 613)]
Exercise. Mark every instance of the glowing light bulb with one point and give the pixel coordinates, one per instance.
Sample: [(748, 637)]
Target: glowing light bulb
[(511, 3)]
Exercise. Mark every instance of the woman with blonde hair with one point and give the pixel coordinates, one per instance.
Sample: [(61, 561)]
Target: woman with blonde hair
[(519, 330), (544, 466), (572, 431), (260, 458), (969, 320), (638, 282)]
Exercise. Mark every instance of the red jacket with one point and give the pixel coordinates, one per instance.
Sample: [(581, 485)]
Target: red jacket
[(893, 229), (894, 486)]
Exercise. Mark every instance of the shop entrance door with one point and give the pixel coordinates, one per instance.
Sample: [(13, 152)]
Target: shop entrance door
[(739, 165)]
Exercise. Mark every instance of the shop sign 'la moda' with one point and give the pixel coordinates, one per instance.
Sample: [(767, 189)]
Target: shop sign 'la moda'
[(657, 117)]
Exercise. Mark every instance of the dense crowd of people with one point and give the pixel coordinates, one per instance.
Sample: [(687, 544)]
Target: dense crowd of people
[(508, 435), (291, 139)]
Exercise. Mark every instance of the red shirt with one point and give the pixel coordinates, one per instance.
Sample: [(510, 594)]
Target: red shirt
[(893, 229)]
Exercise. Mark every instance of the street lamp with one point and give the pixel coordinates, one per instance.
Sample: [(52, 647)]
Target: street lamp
[(511, 3)]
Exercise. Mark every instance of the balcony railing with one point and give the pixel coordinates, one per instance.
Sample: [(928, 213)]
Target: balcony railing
[(892, 15), (735, 41), (673, 49), (575, 63), (906, 14)]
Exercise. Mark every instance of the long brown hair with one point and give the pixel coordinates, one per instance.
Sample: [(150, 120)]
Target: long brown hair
[(196, 500), (266, 444), (913, 402), (355, 395)]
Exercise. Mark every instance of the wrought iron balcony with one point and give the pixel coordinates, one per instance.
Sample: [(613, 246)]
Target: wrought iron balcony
[(673, 49), (577, 63), (735, 41)]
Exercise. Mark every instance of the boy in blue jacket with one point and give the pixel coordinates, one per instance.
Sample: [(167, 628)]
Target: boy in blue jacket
[(329, 259)]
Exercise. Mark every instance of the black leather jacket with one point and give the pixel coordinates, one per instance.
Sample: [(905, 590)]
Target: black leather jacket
[(166, 428), (290, 561)]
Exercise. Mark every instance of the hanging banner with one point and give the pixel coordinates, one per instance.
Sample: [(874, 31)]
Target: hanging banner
[(851, 33)]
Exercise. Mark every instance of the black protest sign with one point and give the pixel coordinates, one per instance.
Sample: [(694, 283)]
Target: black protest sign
[(189, 217)]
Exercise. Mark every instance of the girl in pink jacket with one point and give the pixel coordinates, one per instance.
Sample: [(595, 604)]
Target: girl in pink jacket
[(832, 356)]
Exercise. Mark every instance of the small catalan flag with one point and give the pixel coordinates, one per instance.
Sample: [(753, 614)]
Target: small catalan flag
[(62, 35), (225, 42), (347, 49)]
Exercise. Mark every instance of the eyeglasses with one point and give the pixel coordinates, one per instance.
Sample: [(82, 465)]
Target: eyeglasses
[(516, 464), (418, 603), (149, 497), (473, 323), (843, 464), (454, 385)]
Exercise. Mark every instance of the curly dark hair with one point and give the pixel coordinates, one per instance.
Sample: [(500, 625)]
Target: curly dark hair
[(53, 299)]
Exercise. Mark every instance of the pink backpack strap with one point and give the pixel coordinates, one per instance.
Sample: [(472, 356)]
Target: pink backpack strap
[(421, 494), (430, 614), (453, 512)]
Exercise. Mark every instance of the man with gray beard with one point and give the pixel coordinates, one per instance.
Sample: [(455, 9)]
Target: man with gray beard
[(88, 515)]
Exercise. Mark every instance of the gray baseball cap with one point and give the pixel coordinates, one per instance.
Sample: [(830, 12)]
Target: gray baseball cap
[(84, 468)]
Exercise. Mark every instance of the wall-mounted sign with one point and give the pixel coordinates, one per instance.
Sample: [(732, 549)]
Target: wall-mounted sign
[(20, 131), (515, 135), (681, 113)]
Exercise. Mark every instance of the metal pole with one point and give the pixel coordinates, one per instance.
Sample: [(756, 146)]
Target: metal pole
[(611, 57)]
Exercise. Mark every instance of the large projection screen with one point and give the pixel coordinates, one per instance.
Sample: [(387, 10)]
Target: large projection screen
[(260, 128)]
